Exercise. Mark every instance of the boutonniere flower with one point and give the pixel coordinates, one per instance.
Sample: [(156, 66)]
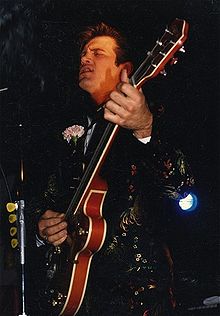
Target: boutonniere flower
[(72, 133)]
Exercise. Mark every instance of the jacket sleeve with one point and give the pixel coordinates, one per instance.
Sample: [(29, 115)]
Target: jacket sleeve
[(162, 167)]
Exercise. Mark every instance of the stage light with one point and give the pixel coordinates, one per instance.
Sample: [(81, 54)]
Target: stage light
[(188, 203)]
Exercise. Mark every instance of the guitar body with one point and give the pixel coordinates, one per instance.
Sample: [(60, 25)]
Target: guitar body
[(95, 229), (67, 266)]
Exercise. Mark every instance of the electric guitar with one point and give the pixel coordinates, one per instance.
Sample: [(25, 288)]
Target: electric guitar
[(67, 267)]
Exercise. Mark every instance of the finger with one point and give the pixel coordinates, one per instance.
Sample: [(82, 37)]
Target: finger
[(133, 101), (128, 91), (59, 241), (51, 238), (124, 76), (119, 98), (115, 108), (53, 230), (50, 222), (51, 226), (111, 117), (115, 118), (50, 213)]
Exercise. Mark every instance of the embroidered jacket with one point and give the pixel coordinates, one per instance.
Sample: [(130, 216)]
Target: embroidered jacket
[(132, 273)]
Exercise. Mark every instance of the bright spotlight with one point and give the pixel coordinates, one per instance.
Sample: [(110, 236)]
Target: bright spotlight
[(188, 203)]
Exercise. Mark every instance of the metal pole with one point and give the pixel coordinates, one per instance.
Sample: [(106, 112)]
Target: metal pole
[(22, 244)]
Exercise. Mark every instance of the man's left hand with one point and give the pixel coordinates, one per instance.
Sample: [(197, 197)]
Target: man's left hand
[(128, 108)]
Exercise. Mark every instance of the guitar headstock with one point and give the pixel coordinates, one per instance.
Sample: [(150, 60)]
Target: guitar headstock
[(172, 41)]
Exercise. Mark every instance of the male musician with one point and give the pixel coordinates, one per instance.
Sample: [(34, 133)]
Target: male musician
[(132, 273)]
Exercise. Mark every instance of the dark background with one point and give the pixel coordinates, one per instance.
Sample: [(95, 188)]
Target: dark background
[(39, 65)]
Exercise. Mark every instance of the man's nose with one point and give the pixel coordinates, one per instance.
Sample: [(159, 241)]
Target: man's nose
[(86, 59)]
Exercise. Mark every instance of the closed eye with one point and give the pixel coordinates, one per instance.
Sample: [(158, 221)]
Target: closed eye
[(98, 52), (95, 52)]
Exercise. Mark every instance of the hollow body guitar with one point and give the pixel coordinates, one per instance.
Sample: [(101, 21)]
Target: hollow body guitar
[(67, 267)]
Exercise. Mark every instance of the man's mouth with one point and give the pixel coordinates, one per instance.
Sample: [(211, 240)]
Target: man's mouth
[(85, 69)]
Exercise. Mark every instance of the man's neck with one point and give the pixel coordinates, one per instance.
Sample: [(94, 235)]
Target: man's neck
[(100, 98)]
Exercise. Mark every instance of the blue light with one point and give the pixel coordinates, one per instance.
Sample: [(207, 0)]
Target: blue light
[(188, 203)]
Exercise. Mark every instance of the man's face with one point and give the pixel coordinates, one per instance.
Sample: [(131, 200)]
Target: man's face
[(99, 73)]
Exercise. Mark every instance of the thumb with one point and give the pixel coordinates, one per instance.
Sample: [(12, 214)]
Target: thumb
[(124, 76)]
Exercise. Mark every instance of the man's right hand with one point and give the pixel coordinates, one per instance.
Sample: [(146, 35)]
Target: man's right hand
[(52, 227)]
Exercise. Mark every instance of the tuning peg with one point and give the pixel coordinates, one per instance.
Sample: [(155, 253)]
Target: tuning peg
[(182, 49), (159, 42), (11, 207), (163, 72), (173, 61), (168, 31)]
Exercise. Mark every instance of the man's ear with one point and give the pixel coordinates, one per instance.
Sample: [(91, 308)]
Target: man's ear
[(129, 67)]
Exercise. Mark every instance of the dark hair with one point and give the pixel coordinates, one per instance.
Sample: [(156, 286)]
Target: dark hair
[(122, 51)]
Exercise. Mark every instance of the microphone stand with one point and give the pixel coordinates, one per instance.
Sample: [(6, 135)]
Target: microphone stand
[(19, 206), (20, 213), (22, 243)]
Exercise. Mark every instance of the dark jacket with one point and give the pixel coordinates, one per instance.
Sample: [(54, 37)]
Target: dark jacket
[(132, 273)]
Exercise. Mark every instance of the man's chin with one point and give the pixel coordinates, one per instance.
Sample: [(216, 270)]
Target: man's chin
[(86, 85)]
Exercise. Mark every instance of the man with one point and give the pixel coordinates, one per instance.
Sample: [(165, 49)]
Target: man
[(132, 273), (126, 106)]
